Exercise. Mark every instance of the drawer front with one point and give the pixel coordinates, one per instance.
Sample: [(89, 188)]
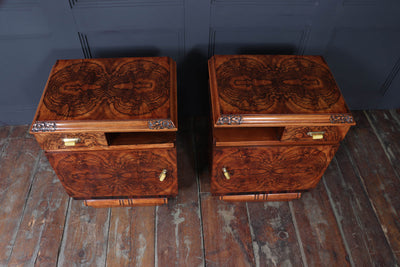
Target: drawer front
[(105, 174), (59, 141), (320, 133), (268, 168)]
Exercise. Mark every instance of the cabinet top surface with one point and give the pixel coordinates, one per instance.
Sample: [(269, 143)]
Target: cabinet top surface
[(265, 89), (141, 91)]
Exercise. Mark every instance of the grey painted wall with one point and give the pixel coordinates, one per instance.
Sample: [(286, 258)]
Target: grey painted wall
[(360, 40)]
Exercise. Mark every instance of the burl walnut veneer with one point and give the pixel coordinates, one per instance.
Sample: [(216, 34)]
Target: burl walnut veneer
[(108, 128), (277, 123)]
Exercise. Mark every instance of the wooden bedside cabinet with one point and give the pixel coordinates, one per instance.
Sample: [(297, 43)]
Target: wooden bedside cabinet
[(277, 123), (108, 128)]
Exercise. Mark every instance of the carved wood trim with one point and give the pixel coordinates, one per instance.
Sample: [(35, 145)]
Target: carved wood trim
[(160, 124), (341, 118), (230, 120), (44, 126)]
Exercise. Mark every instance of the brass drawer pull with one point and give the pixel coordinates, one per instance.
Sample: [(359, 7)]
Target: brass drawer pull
[(316, 135), (226, 173), (163, 174), (71, 141)]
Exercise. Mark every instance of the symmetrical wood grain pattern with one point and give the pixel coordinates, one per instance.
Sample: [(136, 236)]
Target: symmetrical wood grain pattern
[(121, 114), (105, 174), (277, 123), (117, 89), (265, 169), (123, 88), (265, 85)]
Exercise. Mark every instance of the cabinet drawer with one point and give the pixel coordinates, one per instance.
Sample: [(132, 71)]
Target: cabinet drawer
[(313, 133), (268, 168), (109, 174), (59, 141)]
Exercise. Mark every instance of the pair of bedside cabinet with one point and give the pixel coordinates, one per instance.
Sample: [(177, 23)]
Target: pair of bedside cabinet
[(108, 127)]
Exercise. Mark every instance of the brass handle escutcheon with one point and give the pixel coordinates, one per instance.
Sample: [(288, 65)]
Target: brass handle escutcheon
[(163, 174), (226, 173), (316, 135), (71, 141)]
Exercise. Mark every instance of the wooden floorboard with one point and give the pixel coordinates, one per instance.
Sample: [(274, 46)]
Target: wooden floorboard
[(350, 218), (274, 234), (179, 240), (18, 163), (131, 237), (378, 177), (319, 233), (42, 225)]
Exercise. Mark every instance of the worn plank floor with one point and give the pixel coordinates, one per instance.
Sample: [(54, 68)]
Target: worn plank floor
[(352, 218)]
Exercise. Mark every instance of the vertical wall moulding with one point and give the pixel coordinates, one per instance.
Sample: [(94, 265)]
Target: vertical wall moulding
[(211, 42), (72, 3), (302, 44), (85, 45), (389, 79)]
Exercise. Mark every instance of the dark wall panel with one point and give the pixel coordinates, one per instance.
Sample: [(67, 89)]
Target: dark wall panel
[(360, 40)]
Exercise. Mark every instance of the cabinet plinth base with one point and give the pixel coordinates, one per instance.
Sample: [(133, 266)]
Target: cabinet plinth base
[(261, 197), (109, 203)]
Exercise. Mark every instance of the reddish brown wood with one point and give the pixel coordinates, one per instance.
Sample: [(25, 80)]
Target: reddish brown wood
[(265, 109), (379, 178), (361, 229), (104, 174), (131, 202), (261, 197), (318, 230), (18, 160), (54, 141), (227, 237), (106, 141), (261, 89), (263, 169), (109, 89), (122, 113), (274, 236), (131, 237), (42, 226), (301, 134)]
